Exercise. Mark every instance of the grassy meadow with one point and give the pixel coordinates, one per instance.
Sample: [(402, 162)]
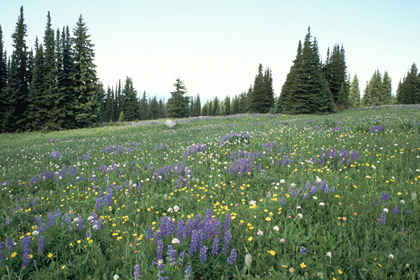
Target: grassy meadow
[(239, 197)]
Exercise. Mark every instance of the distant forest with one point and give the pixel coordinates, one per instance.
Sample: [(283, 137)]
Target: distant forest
[(55, 86)]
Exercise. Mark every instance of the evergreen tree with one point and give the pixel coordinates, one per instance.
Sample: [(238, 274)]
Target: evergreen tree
[(283, 103), (408, 91), (37, 113), (3, 80), (65, 82), (178, 104), (386, 90), (261, 98), (354, 95), (306, 90), (131, 104), (109, 106), (197, 106), (85, 106), (373, 90), (154, 108), (162, 108), (17, 89), (144, 108), (335, 72), (234, 105), (216, 107), (226, 106)]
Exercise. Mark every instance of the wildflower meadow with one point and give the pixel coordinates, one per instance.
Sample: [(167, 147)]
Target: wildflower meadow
[(250, 196)]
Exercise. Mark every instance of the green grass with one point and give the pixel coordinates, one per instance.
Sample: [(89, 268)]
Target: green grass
[(95, 201)]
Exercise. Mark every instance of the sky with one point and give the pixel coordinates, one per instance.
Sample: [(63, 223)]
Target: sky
[(215, 46)]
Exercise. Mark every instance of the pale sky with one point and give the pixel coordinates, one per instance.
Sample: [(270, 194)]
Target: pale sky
[(215, 46)]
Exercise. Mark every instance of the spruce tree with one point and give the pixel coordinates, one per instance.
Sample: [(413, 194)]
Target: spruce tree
[(85, 105), (109, 106), (3, 80), (306, 90), (386, 90), (335, 72), (261, 98), (373, 90), (409, 89), (18, 80), (144, 105), (354, 95), (131, 104), (154, 108), (284, 102), (178, 104), (227, 106)]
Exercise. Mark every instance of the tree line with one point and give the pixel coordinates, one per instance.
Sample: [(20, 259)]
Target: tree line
[(54, 85)]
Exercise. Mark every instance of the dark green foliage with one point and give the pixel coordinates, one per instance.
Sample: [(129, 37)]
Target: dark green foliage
[(408, 91), (226, 105), (195, 106), (17, 89), (378, 90), (354, 93), (3, 80), (85, 105), (131, 104), (335, 72), (144, 107), (306, 90), (261, 98), (178, 104)]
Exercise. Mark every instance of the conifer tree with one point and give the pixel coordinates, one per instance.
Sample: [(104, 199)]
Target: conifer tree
[(226, 106), (335, 72), (85, 106), (154, 108), (17, 89), (408, 91), (178, 104), (306, 90), (109, 106), (261, 98), (3, 80), (386, 91), (131, 104), (373, 90), (354, 95), (144, 108)]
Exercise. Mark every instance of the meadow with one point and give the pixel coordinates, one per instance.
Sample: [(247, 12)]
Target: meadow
[(252, 196)]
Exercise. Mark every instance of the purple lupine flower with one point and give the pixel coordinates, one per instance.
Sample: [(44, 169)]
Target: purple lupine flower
[(282, 200), (26, 249), (302, 250), (167, 226), (136, 272), (79, 222), (196, 241), (10, 245), (215, 246), (386, 196), (41, 245), (181, 258), (232, 257), (171, 253), (226, 239), (180, 232), (354, 155), (188, 270), (1, 251), (203, 254), (397, 209), (159, 249), (55, 154), (376, 128), (8, 221), (382, 218)]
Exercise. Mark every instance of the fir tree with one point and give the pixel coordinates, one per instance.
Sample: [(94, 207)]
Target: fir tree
[(109, 106), (226, 106), (131, 104), (335, 72), (178, 104), (17, 89), (85, 106), (354, 95), (144, 108), (261, 98), (306, 90), (386, 91), (408, 91), (373, 90), (3, 80), (154, 108)]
